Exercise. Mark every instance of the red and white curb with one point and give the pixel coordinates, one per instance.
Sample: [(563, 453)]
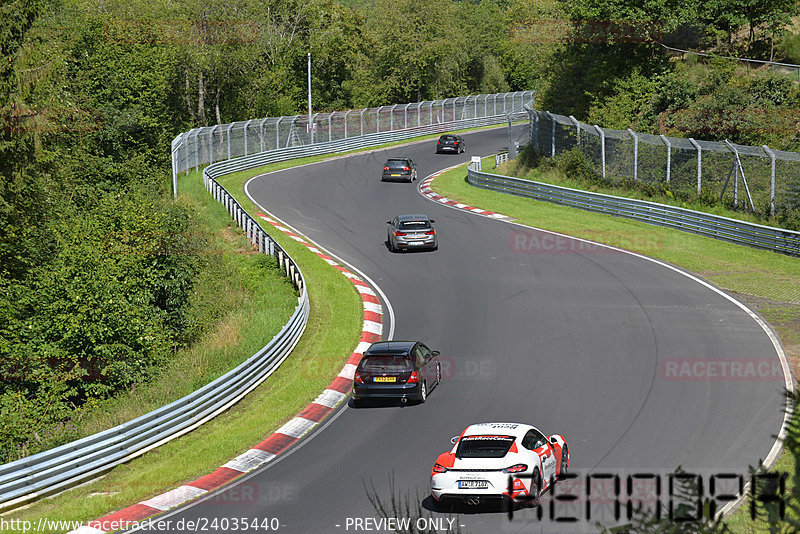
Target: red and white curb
[(283, 438), (426, 191)]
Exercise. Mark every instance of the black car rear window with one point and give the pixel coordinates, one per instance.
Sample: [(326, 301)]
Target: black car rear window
[(448, 138), (385, 362), (484, 446), (415, 225), (397, 163)]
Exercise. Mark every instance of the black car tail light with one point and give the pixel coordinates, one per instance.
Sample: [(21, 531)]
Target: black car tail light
[(406, 168), (414, 378), (357, 379), (385, 167)]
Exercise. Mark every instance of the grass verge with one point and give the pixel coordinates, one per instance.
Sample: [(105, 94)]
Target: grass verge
[(767, 282)]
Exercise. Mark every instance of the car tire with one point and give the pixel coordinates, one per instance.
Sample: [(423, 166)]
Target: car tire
[(423, 392), (536, 489), (564, 467)]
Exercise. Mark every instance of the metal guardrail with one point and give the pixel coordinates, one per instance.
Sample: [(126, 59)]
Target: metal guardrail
[(747, 61), (724, 228), (66, 466)]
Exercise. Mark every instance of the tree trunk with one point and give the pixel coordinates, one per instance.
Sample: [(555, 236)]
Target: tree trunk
[(188, 98), (216, 105), (201, 102)]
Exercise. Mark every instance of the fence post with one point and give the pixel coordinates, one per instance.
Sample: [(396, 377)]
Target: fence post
[(602, 149), (552, 134), (669, 154), (430, 114), (699, 164), (378, 120), (330, 127), (230, 127), (261, 135), (211, 144), (475, 107), (278, 133), (577, 124), (771, 155), (246, 126), (635, 153), (361, 118), (391, 118), (405, 116), (494, 104), (347, 114)]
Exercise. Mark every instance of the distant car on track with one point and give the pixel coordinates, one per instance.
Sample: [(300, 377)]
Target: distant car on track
[(485, 455), (450, 143), (411, 232), (399, 170), (402, 370)]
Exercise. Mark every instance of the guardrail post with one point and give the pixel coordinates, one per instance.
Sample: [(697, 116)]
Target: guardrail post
[(699, 164), (602, 149), (577, 124), (635, 153), (771, 155), (665, 140)]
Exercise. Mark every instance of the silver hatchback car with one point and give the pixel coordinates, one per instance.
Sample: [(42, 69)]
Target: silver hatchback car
[(411, 232)]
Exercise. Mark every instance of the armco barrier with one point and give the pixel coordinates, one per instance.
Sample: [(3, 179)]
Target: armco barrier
[(63, 467), (732, 230)]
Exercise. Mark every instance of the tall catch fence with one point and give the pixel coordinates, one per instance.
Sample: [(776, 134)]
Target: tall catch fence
[(758, 179), (201, 146)]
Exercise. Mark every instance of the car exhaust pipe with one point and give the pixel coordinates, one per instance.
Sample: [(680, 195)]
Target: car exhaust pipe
[(404, 400)]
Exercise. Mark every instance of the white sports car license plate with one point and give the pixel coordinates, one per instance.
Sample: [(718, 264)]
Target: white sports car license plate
[(416, 242), (473, 484)]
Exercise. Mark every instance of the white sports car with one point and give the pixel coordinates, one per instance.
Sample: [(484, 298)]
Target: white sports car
[(499, 462)]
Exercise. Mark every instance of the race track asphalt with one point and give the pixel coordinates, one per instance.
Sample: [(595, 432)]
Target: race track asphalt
[(575, 340)]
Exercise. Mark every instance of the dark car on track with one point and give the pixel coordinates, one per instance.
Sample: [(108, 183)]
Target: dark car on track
[(450, 143), (402, 370), (411, 232), (399, 170)]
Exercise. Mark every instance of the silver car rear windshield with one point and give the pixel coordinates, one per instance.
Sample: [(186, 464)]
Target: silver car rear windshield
[(397, 163), (415, 225), (484, 446)]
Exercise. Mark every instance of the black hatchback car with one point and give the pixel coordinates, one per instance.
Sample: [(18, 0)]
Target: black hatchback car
[(450, 143), (400, 370), (399, 170)]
